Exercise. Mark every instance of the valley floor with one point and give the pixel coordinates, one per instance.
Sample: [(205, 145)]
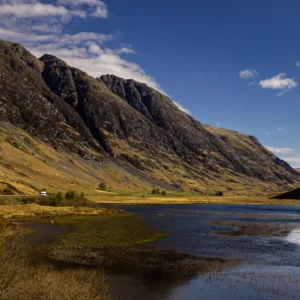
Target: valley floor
[(189, 199)]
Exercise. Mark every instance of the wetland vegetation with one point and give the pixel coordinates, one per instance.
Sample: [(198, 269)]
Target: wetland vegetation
[(254, 228), (99, 240)]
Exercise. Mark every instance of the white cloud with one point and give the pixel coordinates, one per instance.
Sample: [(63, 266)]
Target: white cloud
[(267, 133), (248, 74), (218, 124), (298, 63), (33, 10), (279, 82), (280, 150), (59, 39), (100, 8), (252, 83), (294, 160), (100, 12), (65, 8), (182, 108), (21, 37), (80, 2), (281, 129)]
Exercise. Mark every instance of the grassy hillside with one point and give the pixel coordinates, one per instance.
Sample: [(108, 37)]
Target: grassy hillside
[(28, 165)]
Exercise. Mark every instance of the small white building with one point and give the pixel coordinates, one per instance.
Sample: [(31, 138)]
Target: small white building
[(43, 193)]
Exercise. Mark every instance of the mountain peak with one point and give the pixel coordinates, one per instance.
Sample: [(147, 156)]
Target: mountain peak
[(49, 59)]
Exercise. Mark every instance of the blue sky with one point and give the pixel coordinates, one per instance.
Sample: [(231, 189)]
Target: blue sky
[(230, 63)]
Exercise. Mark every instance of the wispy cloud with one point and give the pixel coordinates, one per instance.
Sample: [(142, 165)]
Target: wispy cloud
[(280, 150), (99, 7), (281, 129), (182, 108), (293, 160), (248, 74), (252, 83), (279, 82), (267, 133), (77, 8)]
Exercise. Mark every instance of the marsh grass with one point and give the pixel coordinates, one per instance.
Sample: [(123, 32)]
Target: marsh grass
[(31, 211), (254, 228), (121, 242), (107, 230), (21, 280)]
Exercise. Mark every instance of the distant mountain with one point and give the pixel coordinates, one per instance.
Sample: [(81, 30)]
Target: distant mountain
[(297, 169), (110, 121), (295, 194)]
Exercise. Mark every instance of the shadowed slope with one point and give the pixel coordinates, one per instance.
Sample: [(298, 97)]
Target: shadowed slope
[(130, 124), (295, 194)]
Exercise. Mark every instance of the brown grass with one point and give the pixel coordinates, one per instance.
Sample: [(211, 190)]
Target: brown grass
[(193, 199), (21, 281), (31, 211)]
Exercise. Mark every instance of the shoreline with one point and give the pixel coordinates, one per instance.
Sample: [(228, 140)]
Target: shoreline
[(246, 200)]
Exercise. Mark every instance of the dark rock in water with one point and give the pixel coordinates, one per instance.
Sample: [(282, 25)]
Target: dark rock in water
[(295, 194), (130, 123)]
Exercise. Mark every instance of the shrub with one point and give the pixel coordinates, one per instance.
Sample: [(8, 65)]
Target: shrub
[(163, 193), (219, 193), (71, 195), (155, 192), (82, 196), (102, 186), (7, 191), (58, 199)]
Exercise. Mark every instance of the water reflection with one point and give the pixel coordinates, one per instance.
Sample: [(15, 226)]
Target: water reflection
[(294, 236), (271, 269)]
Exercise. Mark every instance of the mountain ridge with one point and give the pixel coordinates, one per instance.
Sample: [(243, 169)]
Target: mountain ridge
[(126, 122)]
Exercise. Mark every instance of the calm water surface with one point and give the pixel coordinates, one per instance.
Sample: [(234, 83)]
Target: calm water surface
[(270, 267)]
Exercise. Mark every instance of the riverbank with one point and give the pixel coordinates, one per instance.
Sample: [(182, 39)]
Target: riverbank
[(35, 211), (189, 199)]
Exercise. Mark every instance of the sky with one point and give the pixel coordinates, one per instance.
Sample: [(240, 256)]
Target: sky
[(233, 64)]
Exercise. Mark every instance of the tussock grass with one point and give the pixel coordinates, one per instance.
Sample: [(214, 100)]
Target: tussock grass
[(120, 242), (19, 280), (30, 211), (116, 230)]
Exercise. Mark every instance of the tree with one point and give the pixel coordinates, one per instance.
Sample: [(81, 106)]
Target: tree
[(102, 186), (163, 193), (58, 199), (219, 193), (82, 196), (155, 192), (71, 195)]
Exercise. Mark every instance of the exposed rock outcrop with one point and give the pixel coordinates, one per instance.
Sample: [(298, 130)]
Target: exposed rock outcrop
[(130, 123)]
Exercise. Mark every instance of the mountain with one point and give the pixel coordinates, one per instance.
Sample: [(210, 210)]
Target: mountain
[(295, 194), (126, 125)]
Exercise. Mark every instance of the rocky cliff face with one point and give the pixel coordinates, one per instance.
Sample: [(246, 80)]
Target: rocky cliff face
[(131, 124)]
